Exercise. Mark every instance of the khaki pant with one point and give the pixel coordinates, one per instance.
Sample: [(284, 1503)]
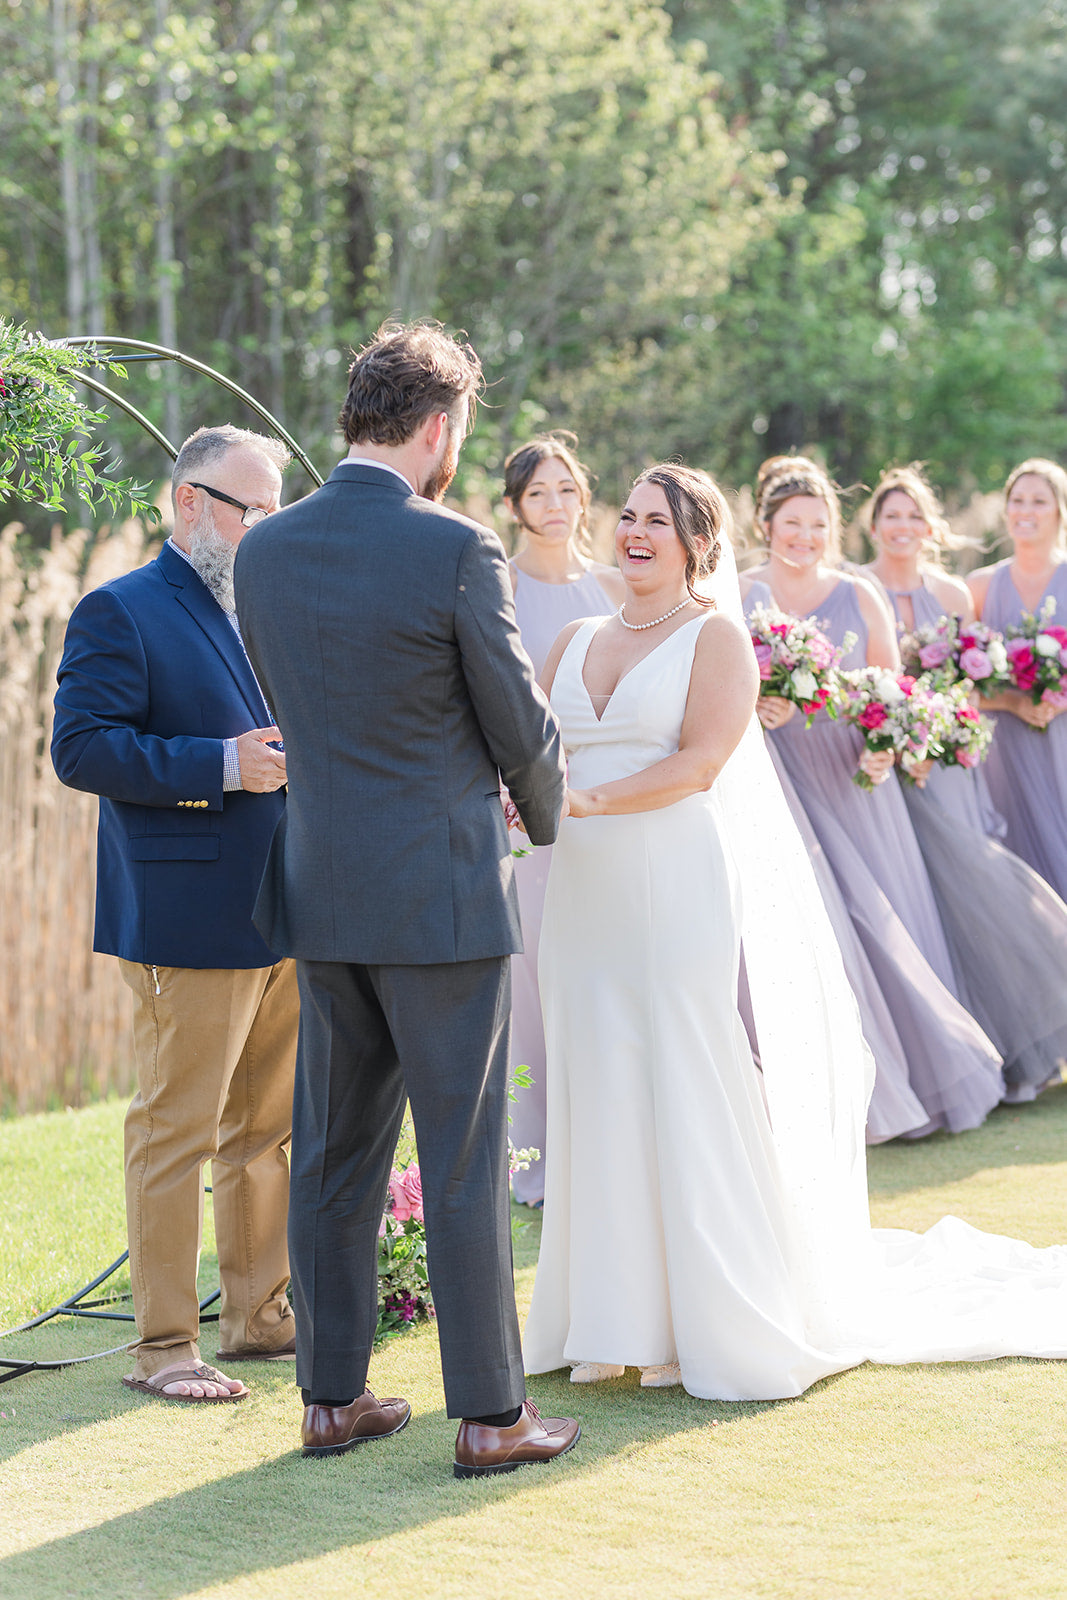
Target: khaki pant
[(215, 1051)]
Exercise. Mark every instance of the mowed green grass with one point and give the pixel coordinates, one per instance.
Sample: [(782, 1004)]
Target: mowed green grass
[(938, 1482)]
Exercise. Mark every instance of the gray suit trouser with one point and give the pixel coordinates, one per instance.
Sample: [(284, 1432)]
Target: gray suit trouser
[(371, 1036)]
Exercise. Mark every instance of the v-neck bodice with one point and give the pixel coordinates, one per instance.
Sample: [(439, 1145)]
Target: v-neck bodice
[(641, 722)]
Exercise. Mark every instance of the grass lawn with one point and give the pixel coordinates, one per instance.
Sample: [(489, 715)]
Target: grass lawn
[(883, 1483)]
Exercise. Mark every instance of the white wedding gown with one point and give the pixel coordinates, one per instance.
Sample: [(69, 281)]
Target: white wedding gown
[(692, 1211)]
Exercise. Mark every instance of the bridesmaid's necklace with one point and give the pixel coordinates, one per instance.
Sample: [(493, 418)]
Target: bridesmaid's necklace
[(636, 627)]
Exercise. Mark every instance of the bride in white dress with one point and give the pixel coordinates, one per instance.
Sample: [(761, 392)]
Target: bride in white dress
[(704, 1220)]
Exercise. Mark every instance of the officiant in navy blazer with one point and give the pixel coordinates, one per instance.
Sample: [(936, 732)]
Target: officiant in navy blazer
[(159, 713)]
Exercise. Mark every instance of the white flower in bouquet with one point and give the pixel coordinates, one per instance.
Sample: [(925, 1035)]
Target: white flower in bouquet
[(805, 683), (998, 656), (888, 689), (1046, 645)]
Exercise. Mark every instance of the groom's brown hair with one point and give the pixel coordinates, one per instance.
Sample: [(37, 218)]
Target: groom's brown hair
[(406, 373)]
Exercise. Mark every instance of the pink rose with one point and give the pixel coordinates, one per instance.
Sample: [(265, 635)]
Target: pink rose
[(966, 758), (1055, 697), (1025, 675), (975, 663), (764, 654), (1057, 633), (412, 1185), (406, 1191), (906, 683), (872, 716), (1019, 649), (934, 655)]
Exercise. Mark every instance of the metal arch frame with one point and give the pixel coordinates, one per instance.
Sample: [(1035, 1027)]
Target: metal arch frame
[(145, 351)]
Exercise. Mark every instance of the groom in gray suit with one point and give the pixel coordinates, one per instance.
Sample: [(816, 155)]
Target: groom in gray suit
[(382, 630)]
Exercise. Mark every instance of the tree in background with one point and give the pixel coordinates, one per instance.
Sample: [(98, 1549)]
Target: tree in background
[(715, 228), (913, 304), (266, 183)]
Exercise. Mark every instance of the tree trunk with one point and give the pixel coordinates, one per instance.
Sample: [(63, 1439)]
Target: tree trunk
[(65, 42), (166, 265)]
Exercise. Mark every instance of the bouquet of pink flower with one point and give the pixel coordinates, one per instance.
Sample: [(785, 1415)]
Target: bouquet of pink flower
[(892, 711), (403, 1281), (796, 660), (948, 651), (962, 734), (1037, 657)]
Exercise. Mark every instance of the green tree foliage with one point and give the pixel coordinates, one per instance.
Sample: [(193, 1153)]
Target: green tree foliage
[(914, 304), (557, 180), (44, 426), (712, 228)]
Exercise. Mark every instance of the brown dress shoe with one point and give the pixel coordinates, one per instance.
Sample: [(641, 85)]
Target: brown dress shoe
[(331, 1430), (481, 1450)]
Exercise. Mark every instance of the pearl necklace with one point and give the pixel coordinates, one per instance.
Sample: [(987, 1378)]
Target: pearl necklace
[(636, 627)]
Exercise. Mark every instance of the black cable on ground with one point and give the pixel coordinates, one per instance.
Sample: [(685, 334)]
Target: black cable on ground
[(75, 1306)]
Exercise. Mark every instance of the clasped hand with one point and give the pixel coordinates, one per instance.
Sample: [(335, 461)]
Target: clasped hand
[(262, 769)]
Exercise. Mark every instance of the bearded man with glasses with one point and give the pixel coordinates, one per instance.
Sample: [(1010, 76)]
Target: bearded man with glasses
[(159, 713)]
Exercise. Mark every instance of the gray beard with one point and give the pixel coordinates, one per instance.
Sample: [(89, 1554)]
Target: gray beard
[(213, 557)]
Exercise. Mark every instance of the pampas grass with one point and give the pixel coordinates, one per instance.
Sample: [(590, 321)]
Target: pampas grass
[(64, 1012)]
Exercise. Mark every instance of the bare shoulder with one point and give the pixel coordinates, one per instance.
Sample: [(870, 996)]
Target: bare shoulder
[(949, 591), (869, 595), (724, 643)]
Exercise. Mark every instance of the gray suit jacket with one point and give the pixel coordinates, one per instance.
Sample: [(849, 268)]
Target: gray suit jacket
[(382, 630)]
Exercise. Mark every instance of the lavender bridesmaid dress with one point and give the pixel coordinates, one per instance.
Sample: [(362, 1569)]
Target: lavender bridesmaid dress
[(868, 842), (542, 610), (1013, 985), (1027, 769)]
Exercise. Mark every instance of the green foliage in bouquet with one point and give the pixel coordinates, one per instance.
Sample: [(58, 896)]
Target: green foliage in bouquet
[(403, 1280), (43, 426)]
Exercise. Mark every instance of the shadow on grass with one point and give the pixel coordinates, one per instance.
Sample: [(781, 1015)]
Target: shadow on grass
[(1012, 1136), (288, 1510)]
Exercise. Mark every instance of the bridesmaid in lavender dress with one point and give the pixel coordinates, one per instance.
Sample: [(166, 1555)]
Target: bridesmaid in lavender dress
[(1014, 987), (1027, 766), (555, 582), (867, 838)]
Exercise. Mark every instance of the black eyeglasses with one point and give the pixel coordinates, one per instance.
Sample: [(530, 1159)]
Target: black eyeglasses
[(250, 515)]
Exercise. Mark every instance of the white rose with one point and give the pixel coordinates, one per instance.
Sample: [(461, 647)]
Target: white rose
[(888, 690), (1046, 645), (998, 656), (804, 683)]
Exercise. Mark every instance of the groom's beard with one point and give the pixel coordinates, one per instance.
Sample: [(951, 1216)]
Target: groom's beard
[(437, 483), (213, 557)]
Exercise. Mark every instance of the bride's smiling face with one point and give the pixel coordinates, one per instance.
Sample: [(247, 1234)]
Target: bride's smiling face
[(649, 552)]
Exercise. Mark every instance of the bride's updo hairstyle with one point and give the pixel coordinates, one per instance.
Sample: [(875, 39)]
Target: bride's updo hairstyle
[(911, 480), (782, 477), (1053, 475), (558, 445), (700, 514)]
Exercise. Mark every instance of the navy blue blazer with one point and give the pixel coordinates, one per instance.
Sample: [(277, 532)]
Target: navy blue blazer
[(153, 679)]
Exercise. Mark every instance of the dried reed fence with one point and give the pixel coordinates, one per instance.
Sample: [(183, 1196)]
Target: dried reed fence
[(64, 1012)]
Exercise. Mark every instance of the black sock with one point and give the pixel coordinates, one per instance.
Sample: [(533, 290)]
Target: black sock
[(498, 1419), (305, 1395)]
